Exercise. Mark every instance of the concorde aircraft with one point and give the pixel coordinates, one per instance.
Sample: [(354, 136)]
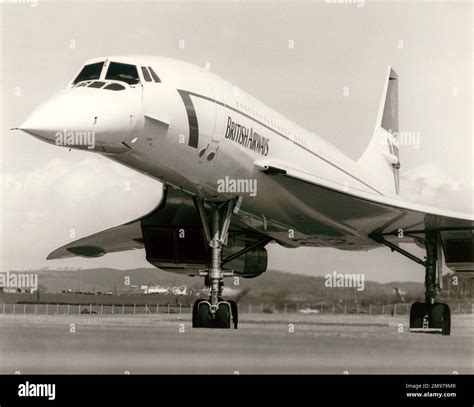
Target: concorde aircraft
[(238, 175)]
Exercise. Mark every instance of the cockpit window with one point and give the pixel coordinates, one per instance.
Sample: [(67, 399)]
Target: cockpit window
[(96, 84), (91, 71), (115, 86), (123, 72), (146, 74), (155, 76)]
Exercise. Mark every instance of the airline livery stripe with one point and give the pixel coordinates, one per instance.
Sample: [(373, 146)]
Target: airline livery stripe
[(185, 95), (192, 119)]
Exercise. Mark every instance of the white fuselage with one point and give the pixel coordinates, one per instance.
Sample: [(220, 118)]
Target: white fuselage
[(193, 130)]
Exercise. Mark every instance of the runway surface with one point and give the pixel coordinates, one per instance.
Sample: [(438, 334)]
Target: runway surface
[(262, 344)]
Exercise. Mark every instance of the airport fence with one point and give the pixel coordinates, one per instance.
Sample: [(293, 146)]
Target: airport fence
[(286, 308)]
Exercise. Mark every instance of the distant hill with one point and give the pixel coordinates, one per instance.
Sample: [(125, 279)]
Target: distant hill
[(272, 286)]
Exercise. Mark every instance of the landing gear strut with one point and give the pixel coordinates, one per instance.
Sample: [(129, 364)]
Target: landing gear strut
[(429, 316), (215, 312)]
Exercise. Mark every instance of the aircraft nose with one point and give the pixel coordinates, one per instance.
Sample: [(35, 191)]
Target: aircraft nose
[(83, 118)]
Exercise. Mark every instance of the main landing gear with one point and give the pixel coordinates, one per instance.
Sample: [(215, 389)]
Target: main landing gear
[(216, 312), (429, 316)]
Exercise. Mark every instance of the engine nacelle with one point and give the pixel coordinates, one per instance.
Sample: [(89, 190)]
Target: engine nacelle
[(251, 264), (458, 247), (174, 240), (166, 249)]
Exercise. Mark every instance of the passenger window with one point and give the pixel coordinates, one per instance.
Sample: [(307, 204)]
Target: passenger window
[(91, 71), (146, 74), (154, 75), (123, 72)]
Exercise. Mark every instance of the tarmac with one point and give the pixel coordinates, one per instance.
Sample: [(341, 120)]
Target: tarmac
[(264, 343)]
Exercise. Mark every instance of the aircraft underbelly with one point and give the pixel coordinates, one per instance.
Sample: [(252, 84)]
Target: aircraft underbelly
[(295, 220)]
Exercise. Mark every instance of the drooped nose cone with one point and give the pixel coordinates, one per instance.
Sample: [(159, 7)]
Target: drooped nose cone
[(86, 118)]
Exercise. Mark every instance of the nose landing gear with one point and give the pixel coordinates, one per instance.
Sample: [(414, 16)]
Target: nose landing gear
[(216, 312)]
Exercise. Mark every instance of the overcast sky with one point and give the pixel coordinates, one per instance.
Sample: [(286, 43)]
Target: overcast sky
[(48, 191)]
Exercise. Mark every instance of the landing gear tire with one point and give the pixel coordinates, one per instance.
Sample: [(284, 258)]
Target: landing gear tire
[(235, 313), (434, 318), (441, 318), (222, 316), (196, 318), (204, 318), (417, 314), (203, 314)]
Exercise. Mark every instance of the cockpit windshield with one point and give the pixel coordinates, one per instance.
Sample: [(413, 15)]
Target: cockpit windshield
[(89, 72), (123, 72)]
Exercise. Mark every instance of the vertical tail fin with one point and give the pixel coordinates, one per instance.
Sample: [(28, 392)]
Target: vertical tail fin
[(381, 157)]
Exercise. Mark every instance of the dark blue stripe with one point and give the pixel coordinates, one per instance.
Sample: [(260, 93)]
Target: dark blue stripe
[(192, 119)]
